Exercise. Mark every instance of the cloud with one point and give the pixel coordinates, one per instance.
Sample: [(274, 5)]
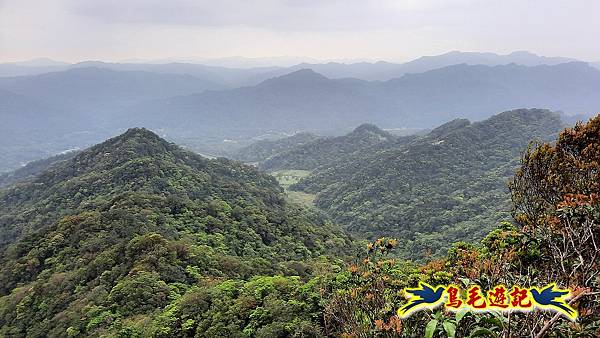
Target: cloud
[(371, 29), (272, 14)]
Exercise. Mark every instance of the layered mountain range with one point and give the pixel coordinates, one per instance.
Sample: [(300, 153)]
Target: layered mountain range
[(204, 108)]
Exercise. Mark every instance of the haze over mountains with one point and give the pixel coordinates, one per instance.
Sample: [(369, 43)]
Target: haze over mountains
[(299, 169), (205, 108), (387, 70), (306, 100), (248, 70)]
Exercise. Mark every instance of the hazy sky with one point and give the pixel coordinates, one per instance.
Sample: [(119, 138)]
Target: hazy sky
[(396, 30)]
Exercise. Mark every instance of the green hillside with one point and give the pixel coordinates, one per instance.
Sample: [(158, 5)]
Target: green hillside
[(323, 151), (446, 186), (136, 237), (33, 168), (262, 150), (106, 238)]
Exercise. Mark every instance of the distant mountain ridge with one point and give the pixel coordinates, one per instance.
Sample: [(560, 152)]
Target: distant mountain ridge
[(48, 113), (227, 70), (81, 106), (386, 70), (94, 86), (306, 100), (297, 101)]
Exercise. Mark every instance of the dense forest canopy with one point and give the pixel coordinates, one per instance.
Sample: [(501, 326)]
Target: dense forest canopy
[(264, 149), (427, 191), (299, 169), (322, 152), (136, 237), (125, 227)]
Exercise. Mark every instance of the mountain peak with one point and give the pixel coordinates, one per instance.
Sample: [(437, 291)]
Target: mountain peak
[(526, 116), (523, 53), (369, 133), (449, 127), (304, 73), (138, 132), (369, 128), (302, 76), (137, 141)]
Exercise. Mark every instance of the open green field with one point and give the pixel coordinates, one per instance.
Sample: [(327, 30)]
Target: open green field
[(289, 177)]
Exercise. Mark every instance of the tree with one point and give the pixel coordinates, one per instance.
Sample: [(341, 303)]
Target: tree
[(555, 195)]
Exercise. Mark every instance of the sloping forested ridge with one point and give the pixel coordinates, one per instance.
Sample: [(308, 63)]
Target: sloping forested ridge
[(264, 149), (32, 169), (132, 289), (104, 239), (552, 238), (433, 190), (323, 151)]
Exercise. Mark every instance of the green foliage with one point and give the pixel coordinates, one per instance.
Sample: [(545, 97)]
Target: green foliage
[(139, 293), (322, 152), (261, 150), (138, 238), (428, 192), (102, 243), (33, 168), (274, 306)]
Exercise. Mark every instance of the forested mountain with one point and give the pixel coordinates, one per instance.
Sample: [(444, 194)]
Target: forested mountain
[(298, 101), (138, 238), (446, 186), (320, 152), (45, 114), (91, 88), (554, 196), (310, 101), (108, 237), (81, 106), (263, 149)]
